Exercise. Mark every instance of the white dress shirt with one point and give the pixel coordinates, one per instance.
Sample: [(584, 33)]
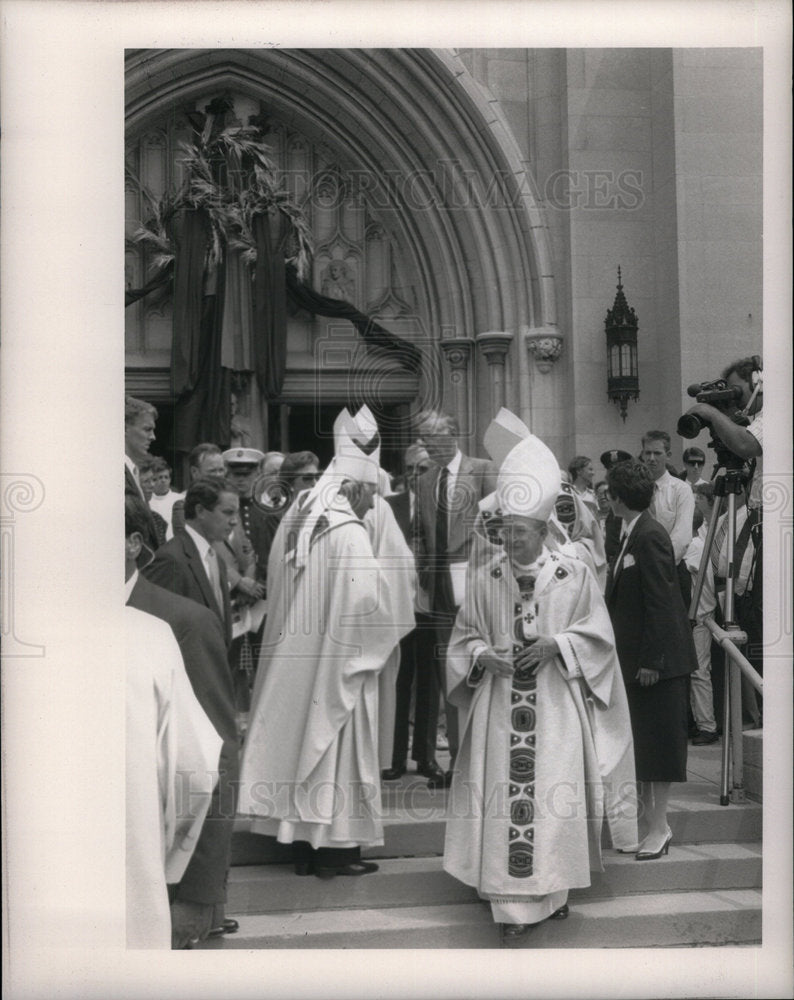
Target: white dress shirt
[(133, 470), (453, 468), (207, 553), (673, 506)]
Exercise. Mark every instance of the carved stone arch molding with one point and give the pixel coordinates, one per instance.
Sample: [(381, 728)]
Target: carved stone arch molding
[(435, 160)]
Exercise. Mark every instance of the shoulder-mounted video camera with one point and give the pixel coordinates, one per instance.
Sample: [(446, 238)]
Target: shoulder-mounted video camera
[(721, 396)]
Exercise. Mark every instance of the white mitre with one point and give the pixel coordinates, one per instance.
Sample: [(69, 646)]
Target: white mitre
[(503, 433), (529, 481), (355, 458), (357, 446)]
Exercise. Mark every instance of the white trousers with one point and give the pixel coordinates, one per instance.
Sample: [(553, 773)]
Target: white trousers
[(701, 694)]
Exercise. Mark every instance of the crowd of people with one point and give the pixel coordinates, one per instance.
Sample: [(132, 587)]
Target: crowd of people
[(317, 626)]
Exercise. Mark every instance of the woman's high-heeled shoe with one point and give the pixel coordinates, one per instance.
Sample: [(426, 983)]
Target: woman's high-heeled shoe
[(653, 855)]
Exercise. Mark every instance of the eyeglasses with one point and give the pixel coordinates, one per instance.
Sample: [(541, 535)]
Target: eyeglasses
[(695, 461)]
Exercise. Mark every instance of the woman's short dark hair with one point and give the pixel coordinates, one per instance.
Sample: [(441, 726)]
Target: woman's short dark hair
[(630, 482), (206, 492), (576, 465), (295, 461), (693, 453)]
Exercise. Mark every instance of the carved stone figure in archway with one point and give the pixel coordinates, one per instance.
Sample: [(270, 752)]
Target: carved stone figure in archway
[(338, 282)]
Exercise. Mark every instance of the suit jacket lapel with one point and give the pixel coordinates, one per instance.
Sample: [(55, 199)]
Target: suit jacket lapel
[(196, 565), (617, 569)]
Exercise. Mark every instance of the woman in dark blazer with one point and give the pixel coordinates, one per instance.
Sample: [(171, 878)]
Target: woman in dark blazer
[(654, 643)]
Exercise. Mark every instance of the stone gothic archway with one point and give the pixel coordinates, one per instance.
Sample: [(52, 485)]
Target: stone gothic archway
[(442, 174)]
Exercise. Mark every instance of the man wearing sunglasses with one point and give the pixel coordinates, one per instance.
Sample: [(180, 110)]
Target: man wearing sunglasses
[(694, 463)]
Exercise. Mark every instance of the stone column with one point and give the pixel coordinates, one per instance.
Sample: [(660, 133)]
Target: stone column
[(458, 351), (494, 345)]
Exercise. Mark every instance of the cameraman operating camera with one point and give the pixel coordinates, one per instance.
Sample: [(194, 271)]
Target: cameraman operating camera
[(745, 442)]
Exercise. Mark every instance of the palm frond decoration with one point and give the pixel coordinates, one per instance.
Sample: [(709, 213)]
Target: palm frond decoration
[(232, 176)]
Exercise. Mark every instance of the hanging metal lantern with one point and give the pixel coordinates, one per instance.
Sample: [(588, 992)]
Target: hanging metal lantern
[(623, 382)]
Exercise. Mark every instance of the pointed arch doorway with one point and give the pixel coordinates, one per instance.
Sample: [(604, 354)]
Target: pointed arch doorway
[(419, 204)]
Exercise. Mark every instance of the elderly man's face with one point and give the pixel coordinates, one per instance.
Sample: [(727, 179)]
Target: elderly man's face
[(361, 496), (210, 466), (522, 538), (440, 446), (415, 466)]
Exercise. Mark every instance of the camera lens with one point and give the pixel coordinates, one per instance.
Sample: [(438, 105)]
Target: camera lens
[(690, 425)]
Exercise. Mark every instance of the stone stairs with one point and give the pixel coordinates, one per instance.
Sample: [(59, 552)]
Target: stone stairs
[(707, 891)]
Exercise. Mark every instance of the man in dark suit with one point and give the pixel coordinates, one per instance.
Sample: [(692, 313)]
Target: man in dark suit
[(653, 637), (205, 461), (188, 564), (417, 650), (139, 421), (612, 525), (447, 499), (197, 902)]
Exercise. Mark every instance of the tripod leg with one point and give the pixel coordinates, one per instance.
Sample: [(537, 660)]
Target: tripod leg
[(719, 503)]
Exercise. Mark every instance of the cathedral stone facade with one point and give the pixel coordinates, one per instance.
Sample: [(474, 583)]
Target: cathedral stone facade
[(477, 203)]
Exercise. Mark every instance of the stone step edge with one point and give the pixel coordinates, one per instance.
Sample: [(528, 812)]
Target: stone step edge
[(274, 889), (726, 851), (327, 923), (437, 814)]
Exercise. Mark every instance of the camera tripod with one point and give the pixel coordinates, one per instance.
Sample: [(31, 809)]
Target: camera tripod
[(728, 484)]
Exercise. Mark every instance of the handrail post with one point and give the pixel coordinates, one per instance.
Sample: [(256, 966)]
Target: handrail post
[(737, 736)]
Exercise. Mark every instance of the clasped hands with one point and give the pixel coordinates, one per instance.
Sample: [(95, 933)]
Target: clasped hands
[(250, 588), (498, 664)]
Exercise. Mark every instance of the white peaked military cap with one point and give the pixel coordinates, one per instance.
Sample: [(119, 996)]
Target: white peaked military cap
[(242, 456), (503, 434), (529, 480)]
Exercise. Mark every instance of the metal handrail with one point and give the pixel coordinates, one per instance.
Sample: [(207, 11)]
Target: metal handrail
[(725, 640)]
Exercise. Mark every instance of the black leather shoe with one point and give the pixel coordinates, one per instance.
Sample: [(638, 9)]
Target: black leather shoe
[(227, 927), (511, 932), (352, 868), (393, 773), (444, 780), (429, 769), (702, 738)]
